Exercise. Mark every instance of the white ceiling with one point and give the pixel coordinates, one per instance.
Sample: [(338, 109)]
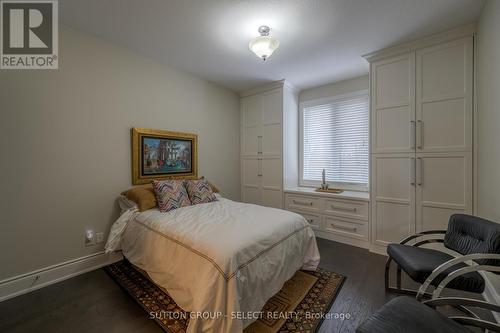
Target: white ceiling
[(321, 41)]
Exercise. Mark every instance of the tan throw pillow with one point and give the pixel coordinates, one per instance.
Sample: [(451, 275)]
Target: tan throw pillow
[(143, 196), (214, 188)]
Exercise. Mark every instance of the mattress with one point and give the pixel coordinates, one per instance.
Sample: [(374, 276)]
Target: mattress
[(220, 261)]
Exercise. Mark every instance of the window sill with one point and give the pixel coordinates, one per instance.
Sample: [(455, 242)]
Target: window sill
[(347, 194)]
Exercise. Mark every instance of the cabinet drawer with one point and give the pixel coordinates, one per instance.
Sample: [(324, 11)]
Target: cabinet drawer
[(313, 219), (346, 227), (347, 208), (294, 202)]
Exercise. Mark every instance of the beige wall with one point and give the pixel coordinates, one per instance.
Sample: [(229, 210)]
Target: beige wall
[(488, 112), (65, 143), (337, 88), (488, 121)]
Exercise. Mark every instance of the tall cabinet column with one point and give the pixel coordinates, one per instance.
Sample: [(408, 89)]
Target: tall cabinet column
[(444, 111), (393, 148), (266, 115), (422, 135)]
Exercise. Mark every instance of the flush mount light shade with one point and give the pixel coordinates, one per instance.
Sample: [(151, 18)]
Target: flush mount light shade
[(264, 45)]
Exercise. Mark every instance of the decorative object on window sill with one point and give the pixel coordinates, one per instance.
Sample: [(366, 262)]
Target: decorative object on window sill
[(325, 187), (324, 184), (264, 45), (329, 190)]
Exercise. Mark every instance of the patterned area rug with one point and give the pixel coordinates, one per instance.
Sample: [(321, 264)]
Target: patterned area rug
[(297, 308)]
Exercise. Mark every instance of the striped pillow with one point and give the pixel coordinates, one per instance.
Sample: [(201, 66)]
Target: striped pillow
[(170, 194), (199, 191)]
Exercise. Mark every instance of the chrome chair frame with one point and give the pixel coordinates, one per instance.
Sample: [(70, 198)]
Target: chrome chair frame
[(474, 267), (461, 303), (404, 241)]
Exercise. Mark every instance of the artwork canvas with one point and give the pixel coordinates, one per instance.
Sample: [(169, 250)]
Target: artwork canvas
[(162, 154), (165, 155)]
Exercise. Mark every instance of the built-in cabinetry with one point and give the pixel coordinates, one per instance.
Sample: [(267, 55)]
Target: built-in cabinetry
[(421, 136), (269, 117), (421, 146), (340, 217)]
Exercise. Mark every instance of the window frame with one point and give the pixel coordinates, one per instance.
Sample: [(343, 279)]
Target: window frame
[(326, 100)]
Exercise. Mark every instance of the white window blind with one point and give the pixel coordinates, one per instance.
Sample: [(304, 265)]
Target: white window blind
[(335, 138)]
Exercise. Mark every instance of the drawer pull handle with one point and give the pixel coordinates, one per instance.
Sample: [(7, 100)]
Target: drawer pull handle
[(303, 203), (347, 209), (344, 227), (310, 221)]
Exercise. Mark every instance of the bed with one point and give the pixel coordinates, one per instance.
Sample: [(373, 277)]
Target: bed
[(219, 259)]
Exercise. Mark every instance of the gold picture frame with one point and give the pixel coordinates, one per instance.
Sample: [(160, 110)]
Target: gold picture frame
[(158, 154)]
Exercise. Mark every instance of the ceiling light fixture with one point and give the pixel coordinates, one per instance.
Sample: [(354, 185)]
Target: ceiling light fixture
[(264, 45)]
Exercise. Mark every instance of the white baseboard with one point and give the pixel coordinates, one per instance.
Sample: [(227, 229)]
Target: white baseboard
[(28, 282), (491, 295)]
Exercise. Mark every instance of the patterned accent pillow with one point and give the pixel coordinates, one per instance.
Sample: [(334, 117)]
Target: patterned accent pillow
[(199, 191), (170, 194)]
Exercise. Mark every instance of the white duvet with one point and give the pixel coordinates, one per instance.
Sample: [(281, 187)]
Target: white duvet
[(222, 257)]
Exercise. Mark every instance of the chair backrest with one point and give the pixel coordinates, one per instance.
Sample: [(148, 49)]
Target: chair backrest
[(468, 234)]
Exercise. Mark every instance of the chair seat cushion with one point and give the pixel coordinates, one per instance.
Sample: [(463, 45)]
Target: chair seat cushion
[(405, 314), (419, 263)]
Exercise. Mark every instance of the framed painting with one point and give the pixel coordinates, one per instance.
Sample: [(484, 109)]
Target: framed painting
[(160, 154)]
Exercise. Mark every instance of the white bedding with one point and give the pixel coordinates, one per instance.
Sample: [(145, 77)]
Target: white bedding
[(220, 257)]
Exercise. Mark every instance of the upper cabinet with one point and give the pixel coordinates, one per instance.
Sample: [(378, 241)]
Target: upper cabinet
[(261, 124), (393, 109), (422, 101), (251, 119), (444, 97)]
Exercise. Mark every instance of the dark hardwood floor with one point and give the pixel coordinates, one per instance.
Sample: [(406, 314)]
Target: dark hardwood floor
[(92, 302)]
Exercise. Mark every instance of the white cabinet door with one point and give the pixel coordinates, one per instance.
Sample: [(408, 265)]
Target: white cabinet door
[(272, 113), (444, 103), (261, 118), (393, 197), (250, 181), (444, 187), (262, 180), (393, 104), (251, 120), (271, 174)]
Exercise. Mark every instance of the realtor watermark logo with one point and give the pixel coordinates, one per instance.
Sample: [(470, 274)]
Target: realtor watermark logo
[(29, 35)]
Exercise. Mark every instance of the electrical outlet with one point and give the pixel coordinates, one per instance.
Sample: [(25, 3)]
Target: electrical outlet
[(99, 237), (89, 237)]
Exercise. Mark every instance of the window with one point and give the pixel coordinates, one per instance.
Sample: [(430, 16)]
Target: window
[(334, 137)]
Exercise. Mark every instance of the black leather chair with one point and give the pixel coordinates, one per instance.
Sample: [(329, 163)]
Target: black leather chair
[(466, 235), (405, 314)]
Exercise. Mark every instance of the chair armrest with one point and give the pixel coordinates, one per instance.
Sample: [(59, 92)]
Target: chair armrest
[(456, 301), (423, 233), (484, 324), (452, 262)]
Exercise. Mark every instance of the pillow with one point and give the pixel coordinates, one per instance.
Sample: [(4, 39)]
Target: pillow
[(170, 194), (143, 196), (199, 191), (213, 187)]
